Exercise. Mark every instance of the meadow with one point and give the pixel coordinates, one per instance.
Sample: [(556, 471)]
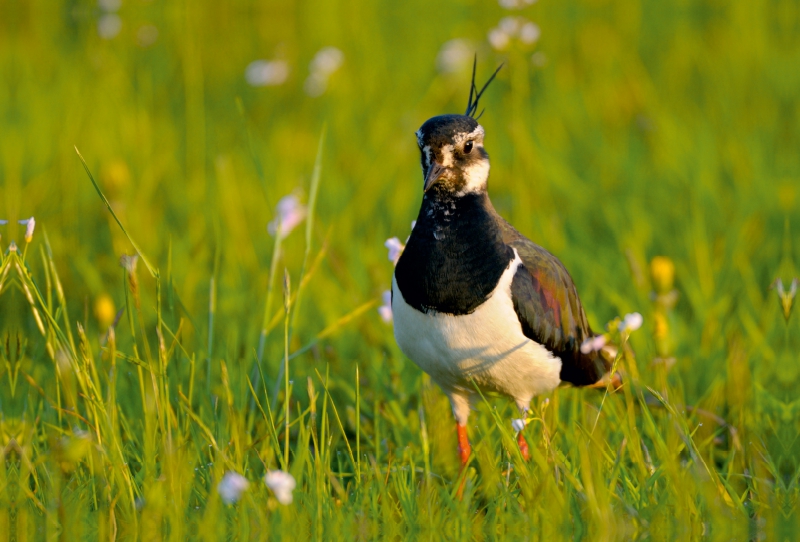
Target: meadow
[(144, 323)]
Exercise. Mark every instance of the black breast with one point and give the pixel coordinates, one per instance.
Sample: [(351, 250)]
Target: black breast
[(454, 257)]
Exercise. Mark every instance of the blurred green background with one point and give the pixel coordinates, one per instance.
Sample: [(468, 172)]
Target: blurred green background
[(618, 131)]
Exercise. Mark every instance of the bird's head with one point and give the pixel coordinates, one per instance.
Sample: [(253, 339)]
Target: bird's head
[(454, 162), (453, 159)]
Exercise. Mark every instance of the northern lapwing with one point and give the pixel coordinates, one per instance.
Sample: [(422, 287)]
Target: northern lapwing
[(475, 302)]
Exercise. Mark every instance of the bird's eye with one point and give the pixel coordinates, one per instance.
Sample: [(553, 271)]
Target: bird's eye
[(467, 147)]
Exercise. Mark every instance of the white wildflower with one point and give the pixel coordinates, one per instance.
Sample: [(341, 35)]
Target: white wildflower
[(290, 213), (455, 55), (395, 249), (631, 322), (231, 487), (129, 262), (30, 225), (315, 85), (109, 5), (266, 73), (499, 39), (510, 25), (385, 310), (109, 25), (593, 344), (518, 424), (282, 484), (327, 60), (3, 222), (510, 28), (515, 4), (529, 33)]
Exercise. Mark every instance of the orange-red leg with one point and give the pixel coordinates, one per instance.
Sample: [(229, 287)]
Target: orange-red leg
[(464, 451), (523, 446)]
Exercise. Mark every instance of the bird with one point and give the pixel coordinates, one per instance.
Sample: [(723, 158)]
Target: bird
[(476, 304)]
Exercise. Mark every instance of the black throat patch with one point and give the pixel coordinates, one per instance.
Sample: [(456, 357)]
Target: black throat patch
[(454, 257)]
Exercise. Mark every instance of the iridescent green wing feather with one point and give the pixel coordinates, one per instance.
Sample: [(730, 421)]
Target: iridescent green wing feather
[(548, 307)]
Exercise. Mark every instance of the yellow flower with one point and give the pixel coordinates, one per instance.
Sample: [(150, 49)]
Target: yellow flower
[(104, 310), (662, 271), (660, 326)]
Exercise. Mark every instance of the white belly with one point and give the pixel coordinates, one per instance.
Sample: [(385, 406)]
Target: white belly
[(486, 346)]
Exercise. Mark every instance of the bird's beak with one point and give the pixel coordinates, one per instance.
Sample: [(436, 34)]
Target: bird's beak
[(435, 173)]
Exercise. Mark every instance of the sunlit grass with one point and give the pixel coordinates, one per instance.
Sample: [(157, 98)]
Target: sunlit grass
[(639, 130)]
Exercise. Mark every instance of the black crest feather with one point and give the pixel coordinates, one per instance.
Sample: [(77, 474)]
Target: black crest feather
[(472, 106)]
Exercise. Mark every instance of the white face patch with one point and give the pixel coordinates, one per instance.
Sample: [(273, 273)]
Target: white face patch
[(476, 175), (447, 155), (426, 150)]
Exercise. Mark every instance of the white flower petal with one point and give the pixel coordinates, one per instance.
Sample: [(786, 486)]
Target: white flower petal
[(30, 224), (529, 33), (327, 60), (265, 73), (385, 310), (499, 39), (455, 55), (231, 487), (509, 25), (282, 484), (395, 249), (631, 322), (593, 344), (316, 84), (518, 424), (515, 4), (108, 26), (109, 5), (290, 212)]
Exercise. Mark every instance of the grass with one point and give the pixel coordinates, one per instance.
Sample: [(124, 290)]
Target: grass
[(639, 129)]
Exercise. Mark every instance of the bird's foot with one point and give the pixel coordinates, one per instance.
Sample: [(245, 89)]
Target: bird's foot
[(523, 446)]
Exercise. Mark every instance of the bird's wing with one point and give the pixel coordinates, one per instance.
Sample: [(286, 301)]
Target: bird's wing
[(547, 304)]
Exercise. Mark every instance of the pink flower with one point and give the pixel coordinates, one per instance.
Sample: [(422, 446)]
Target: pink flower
[(395, 249), (593, 344), (290, 213), (231, 487), (385, 310)]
